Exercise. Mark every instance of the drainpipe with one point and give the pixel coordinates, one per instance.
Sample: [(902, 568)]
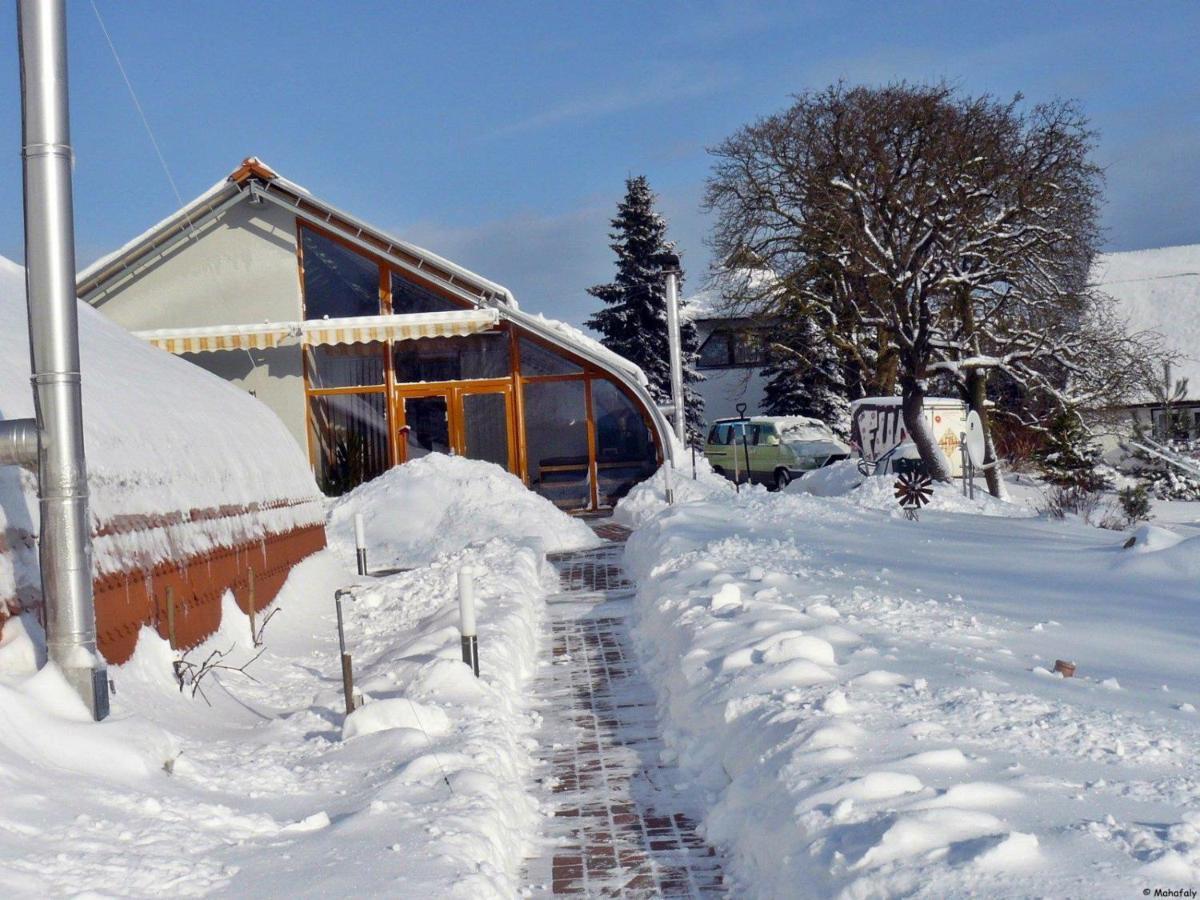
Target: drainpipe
[(65, 546)]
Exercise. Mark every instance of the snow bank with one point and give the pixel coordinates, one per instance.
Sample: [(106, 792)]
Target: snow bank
[(260, 778), (842, 479), (173, 453), (649, 497), (867, 707), (438, 503)]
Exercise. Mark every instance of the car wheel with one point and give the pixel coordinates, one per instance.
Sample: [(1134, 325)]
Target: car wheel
[(717, 470), (782, 479)]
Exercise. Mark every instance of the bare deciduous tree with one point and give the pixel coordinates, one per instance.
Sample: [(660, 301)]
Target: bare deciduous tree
[(927, 233)]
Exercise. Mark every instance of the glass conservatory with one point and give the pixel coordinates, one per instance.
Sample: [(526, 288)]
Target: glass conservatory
[(501, 393)]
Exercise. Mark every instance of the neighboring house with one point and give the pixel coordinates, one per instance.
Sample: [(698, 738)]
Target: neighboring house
[(731, 357), (1159, 290), (373, 351)]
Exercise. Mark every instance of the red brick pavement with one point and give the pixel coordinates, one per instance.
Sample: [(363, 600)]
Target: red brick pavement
[(618, 828)]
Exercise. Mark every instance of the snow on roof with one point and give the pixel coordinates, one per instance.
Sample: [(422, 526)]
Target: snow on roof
[(203, 200), (162, 437), (1159, 290), (574, 336), (712, 302)]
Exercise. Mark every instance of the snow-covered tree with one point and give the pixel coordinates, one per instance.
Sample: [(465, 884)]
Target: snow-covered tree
[(805, 376), (928, 233), (633, 322)]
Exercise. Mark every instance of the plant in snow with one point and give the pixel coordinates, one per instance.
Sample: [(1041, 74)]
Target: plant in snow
[(1135, 503), (633, 322), (1069, 458), (806, 377), (928, 233)]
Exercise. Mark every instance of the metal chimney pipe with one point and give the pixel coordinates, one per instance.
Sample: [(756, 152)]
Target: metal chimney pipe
[(65, 545)]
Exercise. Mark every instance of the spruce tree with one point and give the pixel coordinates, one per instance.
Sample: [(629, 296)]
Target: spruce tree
[(805, 378), (633, 322), (1069, 457)]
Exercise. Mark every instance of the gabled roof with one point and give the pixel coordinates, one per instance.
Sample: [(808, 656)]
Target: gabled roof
[(254, 181)]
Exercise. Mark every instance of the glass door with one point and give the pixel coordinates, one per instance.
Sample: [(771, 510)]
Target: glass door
[(486, 428), (426, 427)]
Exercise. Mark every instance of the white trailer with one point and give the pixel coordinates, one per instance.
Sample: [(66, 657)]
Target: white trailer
[(878, 435)]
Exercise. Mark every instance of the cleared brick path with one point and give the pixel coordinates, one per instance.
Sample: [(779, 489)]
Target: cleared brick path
[(619, 827)]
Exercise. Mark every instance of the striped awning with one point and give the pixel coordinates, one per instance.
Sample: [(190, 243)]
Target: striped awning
[(357, 330)]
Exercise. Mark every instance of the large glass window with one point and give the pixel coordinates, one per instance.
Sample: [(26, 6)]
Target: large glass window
[(346, 365), (452, 359), (410, 297), (557, 442), (485, 427), (537, 360), (337, 281), (350, 435), (625, 451)]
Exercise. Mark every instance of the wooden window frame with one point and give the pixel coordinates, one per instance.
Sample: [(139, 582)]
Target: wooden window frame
[(511, 386)]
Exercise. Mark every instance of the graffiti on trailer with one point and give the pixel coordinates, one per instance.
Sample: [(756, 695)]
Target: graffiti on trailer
[(875, 430)]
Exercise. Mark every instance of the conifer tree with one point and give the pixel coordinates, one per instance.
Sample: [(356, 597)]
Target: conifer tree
[(633, 322), (1069, 457), (806, 378)]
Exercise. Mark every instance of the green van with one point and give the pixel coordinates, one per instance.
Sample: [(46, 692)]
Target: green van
[(771, 450)]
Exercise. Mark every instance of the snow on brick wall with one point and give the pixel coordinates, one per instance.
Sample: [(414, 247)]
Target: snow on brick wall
[(180, 463)]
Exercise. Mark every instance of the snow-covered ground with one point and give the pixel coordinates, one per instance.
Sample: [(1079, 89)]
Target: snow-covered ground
[(425, 791), (867, 704)]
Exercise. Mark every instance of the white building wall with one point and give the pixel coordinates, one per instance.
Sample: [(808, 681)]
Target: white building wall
[(242, 270), (724, 389)]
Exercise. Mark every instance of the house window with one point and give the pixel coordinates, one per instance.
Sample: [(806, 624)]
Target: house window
[(338, 283), (726, 348), (537, 360), (625, 451), (345, 365), (556, 436), (410, 297), (452, 359), (350, 439)]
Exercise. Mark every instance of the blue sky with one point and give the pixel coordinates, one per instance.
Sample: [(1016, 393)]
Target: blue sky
[(500, 135)]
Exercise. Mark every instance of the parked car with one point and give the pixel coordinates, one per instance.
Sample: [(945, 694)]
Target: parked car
[(775, 449)]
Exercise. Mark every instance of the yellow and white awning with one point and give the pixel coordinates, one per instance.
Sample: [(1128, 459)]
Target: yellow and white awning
[(357, 330)]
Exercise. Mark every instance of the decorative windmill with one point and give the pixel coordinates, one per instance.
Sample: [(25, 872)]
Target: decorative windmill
[(913, 490)]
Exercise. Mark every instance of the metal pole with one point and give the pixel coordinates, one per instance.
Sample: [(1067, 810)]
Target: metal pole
[(466, 611), (674, 341), (347, 667), (964, 460), (65, 544), (360, 543)]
